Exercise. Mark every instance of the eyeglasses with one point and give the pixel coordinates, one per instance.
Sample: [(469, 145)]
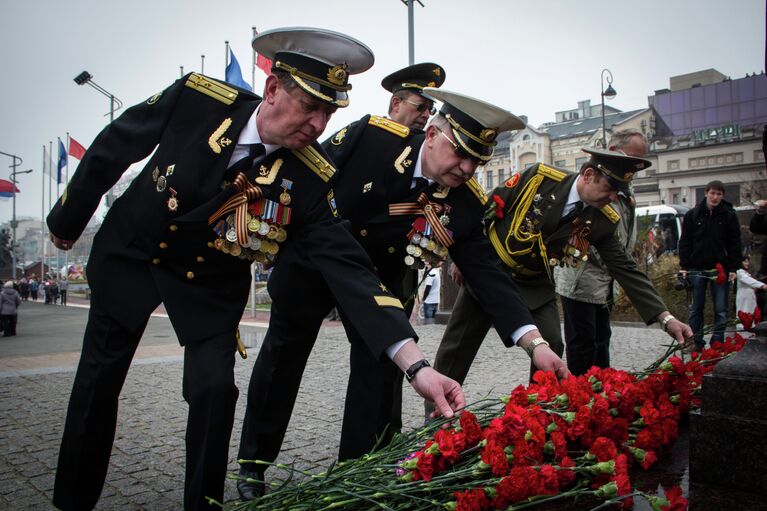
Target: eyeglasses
[(422, 107), (458, 150)]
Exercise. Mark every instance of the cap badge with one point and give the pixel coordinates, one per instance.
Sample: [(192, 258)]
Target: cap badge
[(432, 84), (437, 71), (488, 134), (627, 176), (337, 74)]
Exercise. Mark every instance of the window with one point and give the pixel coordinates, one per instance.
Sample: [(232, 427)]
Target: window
[(672, 165), (560, 163), (489, 183), (579, 162), (501, 176)]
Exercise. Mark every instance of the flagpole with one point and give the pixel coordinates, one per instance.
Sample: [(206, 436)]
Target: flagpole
[(58, 170), (42, 215), (66, 184), (226, 56), (253, 69), (50, 186)]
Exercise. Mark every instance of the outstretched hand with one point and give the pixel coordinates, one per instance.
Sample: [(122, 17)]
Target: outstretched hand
[(679, 331), (61, 244), (444, 392), (546, 360)]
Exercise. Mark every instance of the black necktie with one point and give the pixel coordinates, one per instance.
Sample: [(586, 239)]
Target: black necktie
[(419, 183), (572, 214), (244, 164)]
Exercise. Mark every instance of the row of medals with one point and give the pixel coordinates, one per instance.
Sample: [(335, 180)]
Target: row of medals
[(423, 250), (262, 244)]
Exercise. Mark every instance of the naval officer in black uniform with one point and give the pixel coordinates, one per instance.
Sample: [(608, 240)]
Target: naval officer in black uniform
[(407, 105), (409, 197), (233, 179)]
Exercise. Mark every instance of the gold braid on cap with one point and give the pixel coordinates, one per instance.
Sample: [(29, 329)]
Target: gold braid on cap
[(412, 85), (296, 73), (475, 138)]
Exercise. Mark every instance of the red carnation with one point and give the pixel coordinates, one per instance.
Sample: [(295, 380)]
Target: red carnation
[(721, 278), (472, 500), (499, 205), (494, 455), (604, 449), (471, 428), (675, 499), (746, 318)]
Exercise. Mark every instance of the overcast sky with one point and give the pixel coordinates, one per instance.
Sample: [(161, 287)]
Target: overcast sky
[(532, 57)]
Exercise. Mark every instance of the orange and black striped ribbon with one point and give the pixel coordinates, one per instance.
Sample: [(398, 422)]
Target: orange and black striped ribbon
[(238, 203), (428, 209)]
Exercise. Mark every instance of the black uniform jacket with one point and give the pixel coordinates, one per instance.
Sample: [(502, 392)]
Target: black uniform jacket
[(376, 159), (146, 252), (529, 239)]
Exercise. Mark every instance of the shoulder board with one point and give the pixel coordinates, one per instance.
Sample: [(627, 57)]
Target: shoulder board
[(477, 190), (551, 172), (212, 88), (391, 126), (610, 213), (315, 161)]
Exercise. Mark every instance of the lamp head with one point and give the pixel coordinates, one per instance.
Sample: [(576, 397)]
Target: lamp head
[(610, 93), (83, 78)]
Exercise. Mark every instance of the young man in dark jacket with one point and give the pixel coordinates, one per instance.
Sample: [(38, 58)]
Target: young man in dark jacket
[(710, 236)]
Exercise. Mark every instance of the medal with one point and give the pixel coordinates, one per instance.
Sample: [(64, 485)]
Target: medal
[(409, 260), (410, 249), (263, 229), (218, 243), (417, 251), (254, 243), (155, 174), (285, 199), (416, 238), (231, 235), (161, 183), (272, 234), (253, 224), (282, 235), (172, 200), (235, 249)]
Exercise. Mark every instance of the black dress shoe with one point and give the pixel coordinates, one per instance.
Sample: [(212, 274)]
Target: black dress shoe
[(250, 490)]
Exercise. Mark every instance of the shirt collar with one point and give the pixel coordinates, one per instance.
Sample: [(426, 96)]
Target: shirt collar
[(250, 135)]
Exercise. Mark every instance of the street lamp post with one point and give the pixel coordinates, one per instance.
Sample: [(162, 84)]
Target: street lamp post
[(114, 104), (14, 223), (608, 93)]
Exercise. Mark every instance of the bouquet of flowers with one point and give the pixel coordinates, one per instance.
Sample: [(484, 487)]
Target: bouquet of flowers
[(550, 441)]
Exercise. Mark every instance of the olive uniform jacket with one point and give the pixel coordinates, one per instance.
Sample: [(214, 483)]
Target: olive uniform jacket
[(151, 248), (530, 242), (376, 159)]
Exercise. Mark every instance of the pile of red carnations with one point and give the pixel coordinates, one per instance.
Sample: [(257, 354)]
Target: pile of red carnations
[(569, 441)]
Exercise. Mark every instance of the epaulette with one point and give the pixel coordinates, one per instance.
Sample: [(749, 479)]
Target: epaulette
[(610, 213), (212, 88), (315, 161), (550, 172), (477, 190), (391, 126)]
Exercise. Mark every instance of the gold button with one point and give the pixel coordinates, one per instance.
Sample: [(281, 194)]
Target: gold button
[(363, 232), (190, 275), (513, 274), (200, 259), (210, 244), (155, 261), (163, 244), (174, 227), (391, 250)]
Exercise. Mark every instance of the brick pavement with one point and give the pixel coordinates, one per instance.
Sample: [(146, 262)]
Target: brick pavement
[(146, 471)]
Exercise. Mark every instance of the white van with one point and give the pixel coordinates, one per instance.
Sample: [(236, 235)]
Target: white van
[(665, 216)]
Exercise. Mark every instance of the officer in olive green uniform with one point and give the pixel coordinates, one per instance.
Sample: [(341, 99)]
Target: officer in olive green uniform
[(546, 217), (410, 201), (230, 181)]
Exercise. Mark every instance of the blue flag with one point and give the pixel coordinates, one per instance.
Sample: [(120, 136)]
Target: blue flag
[(62, 161), (234, 73)]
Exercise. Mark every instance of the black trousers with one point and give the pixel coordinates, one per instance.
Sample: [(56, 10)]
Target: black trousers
[(89, 431), (587, 335), (373, 387)]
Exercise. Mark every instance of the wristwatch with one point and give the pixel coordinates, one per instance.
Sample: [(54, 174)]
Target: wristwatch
[(413, 369), (664, 322), (534, 344)]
